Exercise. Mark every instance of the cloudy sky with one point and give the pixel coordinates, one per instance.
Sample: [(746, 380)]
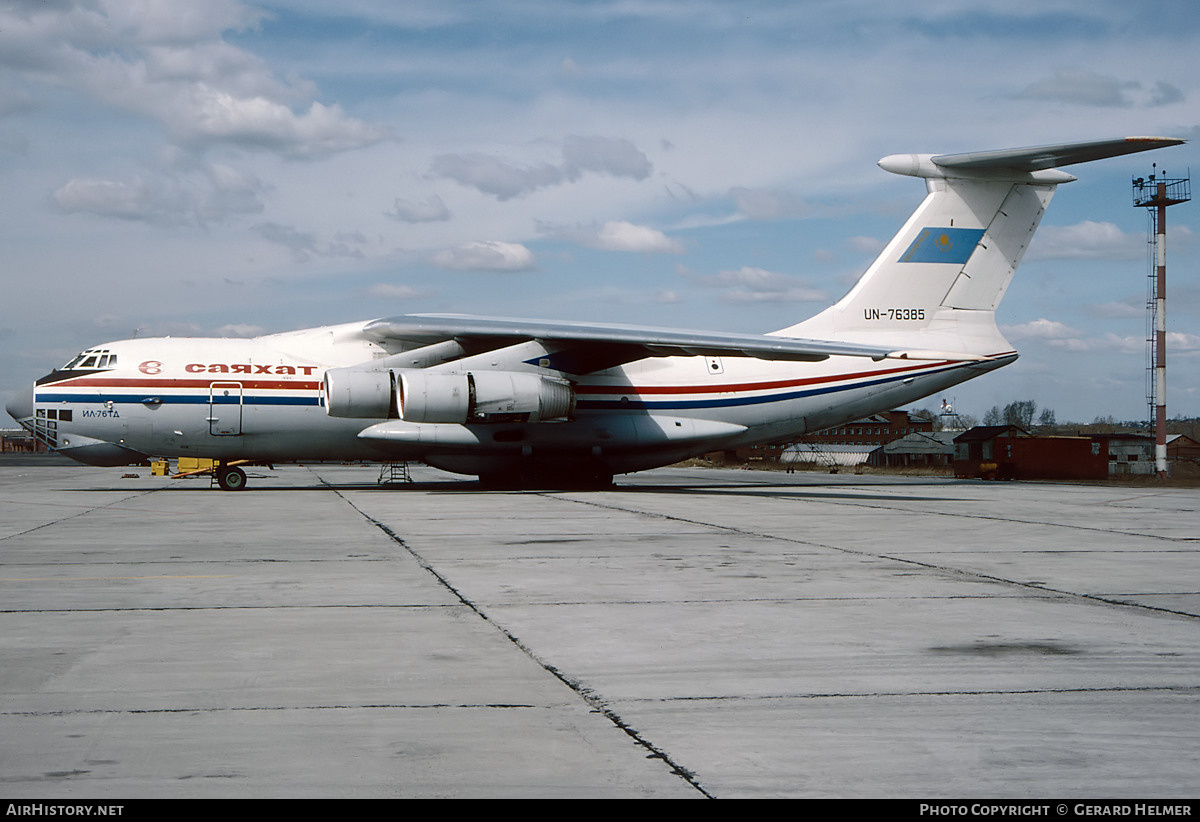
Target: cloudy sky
[(230, 167)]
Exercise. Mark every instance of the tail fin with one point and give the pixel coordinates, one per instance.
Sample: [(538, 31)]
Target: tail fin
[(938, 282)]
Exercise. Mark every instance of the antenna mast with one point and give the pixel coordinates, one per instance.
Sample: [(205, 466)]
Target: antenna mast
[(1154, 194)]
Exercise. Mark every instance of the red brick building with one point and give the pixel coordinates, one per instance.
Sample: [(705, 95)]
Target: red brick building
[(19, 441), (874, 431), (868, 434)]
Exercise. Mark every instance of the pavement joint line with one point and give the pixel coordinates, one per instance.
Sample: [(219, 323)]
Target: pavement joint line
[(190, 561), (1181, 689), (114, 579), (1035, 586), (841, 500), (432, 606), (273, 607), (374, 706), (1115, 689), (589, 698), (86, 510)]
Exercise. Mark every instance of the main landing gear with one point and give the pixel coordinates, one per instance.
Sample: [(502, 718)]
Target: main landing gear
[(231, 478)]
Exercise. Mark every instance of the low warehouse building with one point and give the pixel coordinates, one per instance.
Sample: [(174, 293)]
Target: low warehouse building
[(924, 450), (1011, 452)]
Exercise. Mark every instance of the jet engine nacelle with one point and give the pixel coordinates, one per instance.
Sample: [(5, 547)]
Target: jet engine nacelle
[(480, 396), (421, 396), (354, 392)]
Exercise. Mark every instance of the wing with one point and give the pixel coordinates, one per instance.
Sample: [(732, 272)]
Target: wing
[(585, 347)]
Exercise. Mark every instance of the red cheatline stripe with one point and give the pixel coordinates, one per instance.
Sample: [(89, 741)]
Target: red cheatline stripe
[(113, 382)]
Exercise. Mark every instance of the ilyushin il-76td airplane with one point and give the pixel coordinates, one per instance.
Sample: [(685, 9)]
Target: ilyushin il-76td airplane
[(524, 402)]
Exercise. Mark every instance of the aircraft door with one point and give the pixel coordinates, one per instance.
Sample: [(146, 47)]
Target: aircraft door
[(225, 409)]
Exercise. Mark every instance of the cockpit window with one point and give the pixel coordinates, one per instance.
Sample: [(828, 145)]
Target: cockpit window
[(94, 358)]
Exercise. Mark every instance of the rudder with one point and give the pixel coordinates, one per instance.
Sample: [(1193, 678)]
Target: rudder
[(957, 252)]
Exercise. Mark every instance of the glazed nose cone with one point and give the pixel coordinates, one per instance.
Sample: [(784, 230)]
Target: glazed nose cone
[(20, 407)]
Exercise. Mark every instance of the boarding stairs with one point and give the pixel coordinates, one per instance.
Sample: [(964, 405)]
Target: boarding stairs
[(394, 472)]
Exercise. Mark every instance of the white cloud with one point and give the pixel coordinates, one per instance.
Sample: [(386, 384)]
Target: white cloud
[(391, 291), (506, 180), (167, 60), (240, 330), (603, 155), (768, 204), (1180, 342), (1059, 335), (866, 245), (202, 195), (1088, 240), (1087, 88), (133, 200), (1051, 333), (797, 294), (501, 179), (259, 123), (1118, 310), (487, 255), (1164, 94), (431, 210), (304, 244), (757, 285), (1081, 87), (1040, 329), (616, 235), (1120, 344)]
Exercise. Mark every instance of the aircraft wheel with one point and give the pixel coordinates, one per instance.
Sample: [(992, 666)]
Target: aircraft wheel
[(231, 479)]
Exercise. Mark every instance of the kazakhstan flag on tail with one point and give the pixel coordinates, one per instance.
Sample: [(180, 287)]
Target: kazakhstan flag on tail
[(942, 245)]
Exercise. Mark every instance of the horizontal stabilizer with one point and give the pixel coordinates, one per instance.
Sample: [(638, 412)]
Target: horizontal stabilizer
[(1037, 158), (1032, 164)]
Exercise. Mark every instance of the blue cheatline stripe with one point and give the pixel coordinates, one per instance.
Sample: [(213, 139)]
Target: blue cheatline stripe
[(177, 399), (618, 405), (942, 245)]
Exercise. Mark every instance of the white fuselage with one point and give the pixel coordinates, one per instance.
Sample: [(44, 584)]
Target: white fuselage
[(262, 400)]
